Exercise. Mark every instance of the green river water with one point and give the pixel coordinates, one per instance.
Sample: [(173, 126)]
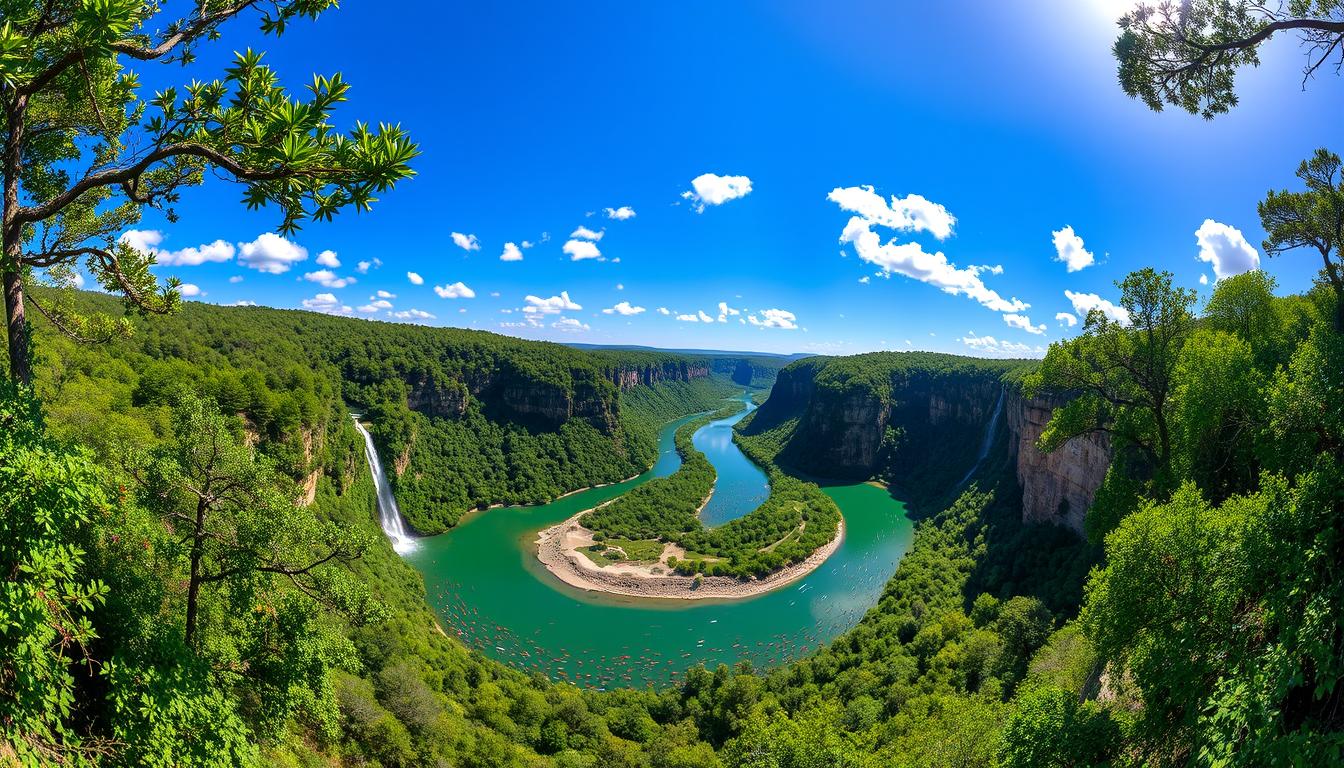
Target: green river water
[(484, 580)]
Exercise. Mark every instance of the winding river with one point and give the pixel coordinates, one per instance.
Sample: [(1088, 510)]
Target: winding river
[(486, 584)]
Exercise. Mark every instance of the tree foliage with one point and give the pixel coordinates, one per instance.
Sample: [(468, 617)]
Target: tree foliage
[(1186, 54), (83, 152), (1312, 219)]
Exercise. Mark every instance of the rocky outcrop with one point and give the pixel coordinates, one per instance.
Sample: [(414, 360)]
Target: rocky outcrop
[(843, 423), (627, 377), (441, 399), (942, 411), (1057, 487)]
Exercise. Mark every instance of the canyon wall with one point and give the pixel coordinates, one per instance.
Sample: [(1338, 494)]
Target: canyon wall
[(513, 393), (919, 423), (1057, 487)]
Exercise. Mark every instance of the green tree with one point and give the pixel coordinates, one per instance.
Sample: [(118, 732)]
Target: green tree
[(1186, 54), (81, 153), (47, 494), (1050, 728), (1244, 305), (233, 516), (1120, 372), (1165, 603), (1312, 219)]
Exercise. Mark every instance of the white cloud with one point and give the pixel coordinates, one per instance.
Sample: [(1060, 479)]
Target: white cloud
[(415, 278), (552, 306), (413, 314), (147, 241), (1085, 302), (271, 253), (621, 214), (511, 252), (385, 294), (578, 250), (623, 308), (326, 303), (588, 234), (328, 279), (466, 242), (712, 189), (664, 311), (363, 267), (328, 259), (864, 280), (243, 303), (1066, 319), (1023, 322), (190, 289), (689, 318), (725, 311), (1069, 249), (620, 286), (992, 347), (774, 318), (1203, 279), (913, 214), (569, 325), (143, 240), (376, 305), (527, 244), (458, 290), (236, 279), (1226, 249)]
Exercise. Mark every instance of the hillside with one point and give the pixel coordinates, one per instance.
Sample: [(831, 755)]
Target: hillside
[(466, 418)]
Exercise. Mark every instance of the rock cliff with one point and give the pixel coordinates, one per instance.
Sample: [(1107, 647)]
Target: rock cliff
[(1057, 487), (919, 422)]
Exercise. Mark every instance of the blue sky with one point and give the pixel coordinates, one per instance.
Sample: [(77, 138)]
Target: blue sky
[(994, 126)]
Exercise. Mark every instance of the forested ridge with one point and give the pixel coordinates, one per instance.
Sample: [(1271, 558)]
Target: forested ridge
[(465, 418)]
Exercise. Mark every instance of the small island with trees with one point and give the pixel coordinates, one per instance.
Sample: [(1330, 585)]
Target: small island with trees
[(651, 541)]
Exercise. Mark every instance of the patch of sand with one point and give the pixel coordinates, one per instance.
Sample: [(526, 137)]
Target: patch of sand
[(558, 549)]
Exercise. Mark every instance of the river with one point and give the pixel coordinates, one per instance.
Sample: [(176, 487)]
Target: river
[(485, 582)]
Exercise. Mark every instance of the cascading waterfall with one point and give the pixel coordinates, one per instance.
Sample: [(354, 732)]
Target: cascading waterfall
[(388, 514), (987, 442)]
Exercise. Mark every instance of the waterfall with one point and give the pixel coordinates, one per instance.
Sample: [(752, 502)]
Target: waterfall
[(987, 442), (388, 514)]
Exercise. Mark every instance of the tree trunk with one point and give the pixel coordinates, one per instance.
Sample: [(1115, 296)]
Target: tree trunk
[(17, 325), (20, 363), (194, 585)]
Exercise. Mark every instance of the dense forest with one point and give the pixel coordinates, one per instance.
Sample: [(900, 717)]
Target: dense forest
[(470, 418), (792, 523)]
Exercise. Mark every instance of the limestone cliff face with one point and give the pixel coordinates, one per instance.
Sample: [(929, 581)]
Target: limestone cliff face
[(842, 421), (627, 377), (1057, 487), (445, 400)]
